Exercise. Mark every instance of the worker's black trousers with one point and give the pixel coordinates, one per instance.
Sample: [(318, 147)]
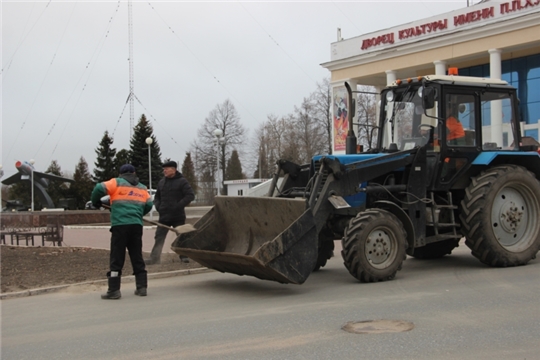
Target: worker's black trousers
[(126, 237)]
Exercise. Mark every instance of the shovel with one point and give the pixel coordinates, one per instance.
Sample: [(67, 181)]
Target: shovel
[(182, 229)]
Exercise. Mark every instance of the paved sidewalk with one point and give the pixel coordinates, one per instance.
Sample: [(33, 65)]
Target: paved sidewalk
[(99, 237)]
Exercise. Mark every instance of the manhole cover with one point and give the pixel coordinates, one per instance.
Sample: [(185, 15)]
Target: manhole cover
[(377, 326)]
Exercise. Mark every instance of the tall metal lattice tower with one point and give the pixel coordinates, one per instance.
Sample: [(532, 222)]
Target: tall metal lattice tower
[(131, 81)]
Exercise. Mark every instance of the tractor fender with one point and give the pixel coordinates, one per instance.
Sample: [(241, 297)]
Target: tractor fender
[(528, 159), (401, 215)]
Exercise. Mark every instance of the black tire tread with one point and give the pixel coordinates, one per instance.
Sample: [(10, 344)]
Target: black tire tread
[(352, 254), (475, 231)]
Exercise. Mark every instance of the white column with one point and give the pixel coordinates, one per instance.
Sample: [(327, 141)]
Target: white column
[(440, 67), (390, 76), (495, 72), (495, 65)]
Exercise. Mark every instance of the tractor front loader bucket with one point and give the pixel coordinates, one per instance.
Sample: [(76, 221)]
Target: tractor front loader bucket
[(269, 238)]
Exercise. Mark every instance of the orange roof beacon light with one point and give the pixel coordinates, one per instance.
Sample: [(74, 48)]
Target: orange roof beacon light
[(453, 71)]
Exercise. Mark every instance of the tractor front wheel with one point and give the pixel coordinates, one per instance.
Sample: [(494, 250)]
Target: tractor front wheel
[(374, 246), (326, 251), (500, 216)]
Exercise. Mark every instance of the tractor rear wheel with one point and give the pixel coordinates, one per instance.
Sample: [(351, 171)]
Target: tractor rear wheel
[(500, 216), (374, 246)]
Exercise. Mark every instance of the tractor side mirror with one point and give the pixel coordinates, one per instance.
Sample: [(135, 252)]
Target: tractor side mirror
[(428, 98)]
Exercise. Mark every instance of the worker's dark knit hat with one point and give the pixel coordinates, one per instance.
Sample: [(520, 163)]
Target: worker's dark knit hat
[(170, 164), (127, 168)]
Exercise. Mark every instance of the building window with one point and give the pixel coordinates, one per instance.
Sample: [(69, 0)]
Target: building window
[(240, 192)]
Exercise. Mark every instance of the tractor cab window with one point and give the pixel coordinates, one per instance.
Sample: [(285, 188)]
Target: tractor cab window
[(497, 114), (429, 129), (460, 132), (460, 120), (404, 119)]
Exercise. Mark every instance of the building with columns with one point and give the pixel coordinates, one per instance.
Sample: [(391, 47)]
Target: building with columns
[(496, 39)]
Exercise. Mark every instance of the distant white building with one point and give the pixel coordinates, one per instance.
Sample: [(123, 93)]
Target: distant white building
[(241, 187)]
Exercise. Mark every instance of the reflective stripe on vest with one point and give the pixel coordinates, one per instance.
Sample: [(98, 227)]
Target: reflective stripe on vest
[(125, 192)]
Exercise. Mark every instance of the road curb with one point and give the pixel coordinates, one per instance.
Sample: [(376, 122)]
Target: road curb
[(130, 278)]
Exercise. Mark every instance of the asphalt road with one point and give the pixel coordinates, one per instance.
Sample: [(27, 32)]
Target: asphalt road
[(460, 309)]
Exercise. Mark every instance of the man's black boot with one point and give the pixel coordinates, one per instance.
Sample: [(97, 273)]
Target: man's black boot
[(141, 282), (113, 293)]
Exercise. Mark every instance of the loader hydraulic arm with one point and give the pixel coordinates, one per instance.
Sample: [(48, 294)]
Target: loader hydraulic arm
[(294, 180), (345, 180)]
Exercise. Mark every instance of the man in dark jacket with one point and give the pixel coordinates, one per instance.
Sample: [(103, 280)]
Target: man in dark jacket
[(129, 202), (173, 194)]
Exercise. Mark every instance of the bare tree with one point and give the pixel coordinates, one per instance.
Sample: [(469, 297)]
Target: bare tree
[(224, 117), (276, 128), (268, 144), (322, 102), (295, 137), (290, 147), (309, 138), (261, 145), (205, 179), (366, 111)]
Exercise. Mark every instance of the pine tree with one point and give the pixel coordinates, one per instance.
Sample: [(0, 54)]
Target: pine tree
[(56, 189), (188, 171), (21, 191), (105, 167), (234, 168), (122, 157), (139, 152), (81, 189)]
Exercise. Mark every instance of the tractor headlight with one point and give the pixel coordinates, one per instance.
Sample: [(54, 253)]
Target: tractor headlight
[(390, 96)]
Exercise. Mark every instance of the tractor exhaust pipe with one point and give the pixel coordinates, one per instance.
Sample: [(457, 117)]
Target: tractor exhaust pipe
[(350, 141)]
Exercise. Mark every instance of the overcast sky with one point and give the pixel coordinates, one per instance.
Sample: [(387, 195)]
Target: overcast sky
[(65, 67)]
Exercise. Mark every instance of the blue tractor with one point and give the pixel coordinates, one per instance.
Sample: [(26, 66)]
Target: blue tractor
[(449, 163)]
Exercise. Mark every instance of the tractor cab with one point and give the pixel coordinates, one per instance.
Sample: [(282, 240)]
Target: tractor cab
[(455, 118)]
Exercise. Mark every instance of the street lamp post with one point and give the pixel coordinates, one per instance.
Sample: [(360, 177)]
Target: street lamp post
[(32, 162), (149, 141), (218, 133)]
